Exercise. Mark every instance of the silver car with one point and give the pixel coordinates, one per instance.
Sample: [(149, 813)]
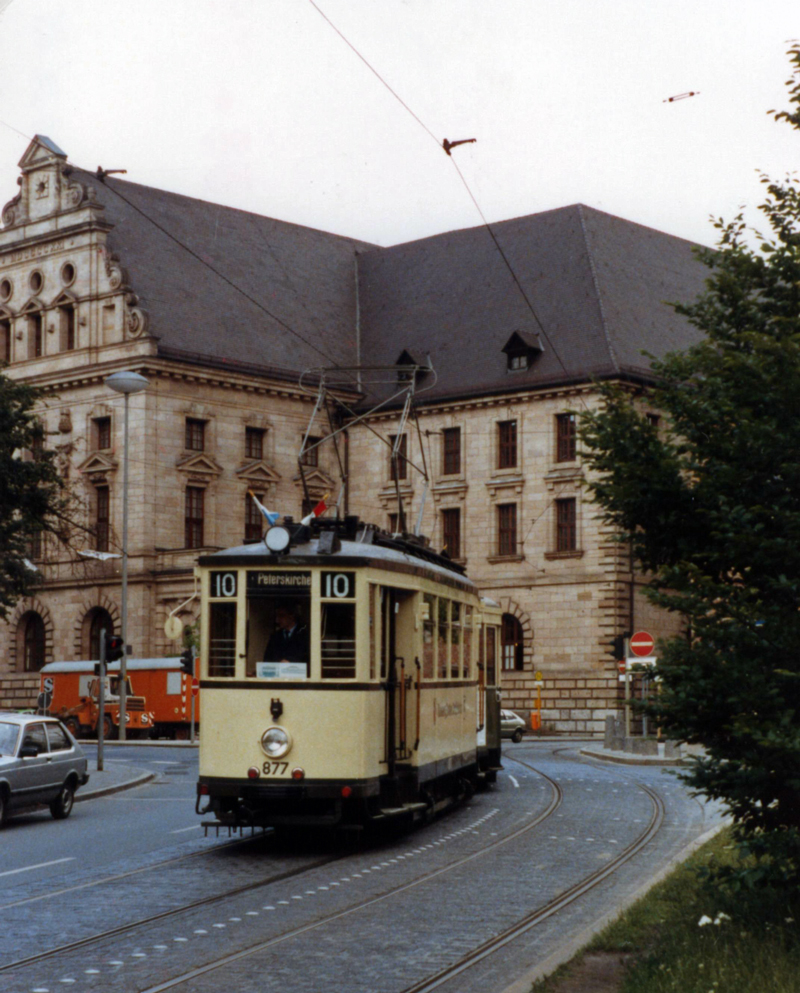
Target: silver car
[(40, 762), (512, 725)]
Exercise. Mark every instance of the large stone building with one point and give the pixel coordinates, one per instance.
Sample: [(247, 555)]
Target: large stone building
[(222, 310)]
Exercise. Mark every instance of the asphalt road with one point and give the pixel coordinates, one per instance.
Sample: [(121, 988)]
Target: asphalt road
[(146, 904)]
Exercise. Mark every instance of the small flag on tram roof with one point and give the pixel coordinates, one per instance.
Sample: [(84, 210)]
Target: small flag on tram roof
[(320, 508), (270, 515)]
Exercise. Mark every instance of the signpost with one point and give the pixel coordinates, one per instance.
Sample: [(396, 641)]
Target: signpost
[(195, 689), (537, 717)]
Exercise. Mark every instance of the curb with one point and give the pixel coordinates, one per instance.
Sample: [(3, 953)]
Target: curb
[(574, 945), (629, 758), (106, 790)]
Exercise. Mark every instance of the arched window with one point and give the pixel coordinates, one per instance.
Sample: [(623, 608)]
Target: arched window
[(513, 648), (99, 619), (33, 638)]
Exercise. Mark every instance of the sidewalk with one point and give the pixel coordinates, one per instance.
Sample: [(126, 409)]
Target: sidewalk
[(115, 776)]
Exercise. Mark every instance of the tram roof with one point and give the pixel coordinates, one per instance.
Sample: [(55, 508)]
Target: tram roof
[(353, 554)]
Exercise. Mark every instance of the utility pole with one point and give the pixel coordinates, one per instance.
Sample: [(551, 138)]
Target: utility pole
[(101, 700)]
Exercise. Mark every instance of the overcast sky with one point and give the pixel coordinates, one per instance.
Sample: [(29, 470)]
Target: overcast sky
[(259, 104)]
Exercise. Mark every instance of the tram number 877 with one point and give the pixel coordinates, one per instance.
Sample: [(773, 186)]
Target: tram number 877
[(275, 768)]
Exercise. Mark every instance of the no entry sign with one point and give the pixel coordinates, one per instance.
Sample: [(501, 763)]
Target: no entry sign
[(642, 643), (195, 686)]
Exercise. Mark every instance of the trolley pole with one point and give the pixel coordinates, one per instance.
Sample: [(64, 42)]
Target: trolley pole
[(101, 701)]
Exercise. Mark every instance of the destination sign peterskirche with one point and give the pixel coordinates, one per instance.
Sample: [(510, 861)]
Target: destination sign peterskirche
[(271, 583)]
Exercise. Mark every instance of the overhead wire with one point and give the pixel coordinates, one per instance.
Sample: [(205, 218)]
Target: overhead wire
[(444, 146)]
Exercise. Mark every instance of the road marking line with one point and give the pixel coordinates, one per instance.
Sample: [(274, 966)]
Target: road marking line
[(39, 865), (194, 827), (514, 781)]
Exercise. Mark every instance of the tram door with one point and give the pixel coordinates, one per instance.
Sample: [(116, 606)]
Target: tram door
[(398, 669)]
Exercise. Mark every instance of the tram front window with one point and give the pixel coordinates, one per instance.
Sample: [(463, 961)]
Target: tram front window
[(278, 641)]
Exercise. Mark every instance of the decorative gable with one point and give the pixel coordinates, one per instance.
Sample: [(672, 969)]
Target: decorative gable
[(258, 474), (201, 468), (97, 467), (317, 481)]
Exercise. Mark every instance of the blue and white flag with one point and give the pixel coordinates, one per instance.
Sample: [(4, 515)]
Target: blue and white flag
[(268, 514)]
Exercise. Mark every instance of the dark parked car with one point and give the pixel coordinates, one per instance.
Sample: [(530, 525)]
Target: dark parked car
[(512, 725), (40, 762)]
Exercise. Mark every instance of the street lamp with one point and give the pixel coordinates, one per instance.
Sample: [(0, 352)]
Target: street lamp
[(125, 383)]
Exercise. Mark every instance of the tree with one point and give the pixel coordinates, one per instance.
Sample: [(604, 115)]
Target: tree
[(711, 505), (33, 498)]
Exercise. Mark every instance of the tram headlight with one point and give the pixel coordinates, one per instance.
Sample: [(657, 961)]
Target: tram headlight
[(276, 742), (277, 538)]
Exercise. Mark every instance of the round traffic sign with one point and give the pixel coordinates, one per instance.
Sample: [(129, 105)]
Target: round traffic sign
[(195, 686), (642, 643)]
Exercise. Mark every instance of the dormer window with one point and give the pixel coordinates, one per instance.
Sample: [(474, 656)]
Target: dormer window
[(405, 363), (521, 350)]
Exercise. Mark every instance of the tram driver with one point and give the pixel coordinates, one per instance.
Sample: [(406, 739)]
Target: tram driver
[(289, 643)]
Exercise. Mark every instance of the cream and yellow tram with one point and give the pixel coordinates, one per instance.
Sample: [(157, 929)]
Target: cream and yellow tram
[(344, 680)]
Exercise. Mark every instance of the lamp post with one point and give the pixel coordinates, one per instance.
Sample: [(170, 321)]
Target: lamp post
[(125, 383)]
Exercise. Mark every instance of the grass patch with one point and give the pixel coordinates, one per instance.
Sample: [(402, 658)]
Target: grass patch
[(753, 948)]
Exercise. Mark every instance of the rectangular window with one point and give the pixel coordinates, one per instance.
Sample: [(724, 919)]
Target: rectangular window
[(507, 529), (566, 531), (102, 429), (195, 434), (507, 444), (37, 443), (428, 636), (393, 519), (101, 520), (222, 639), (338, 640), (253, 519), (35, 336), (311, 455), (653, 420), (66, 316), (451, 451), (194, 517), (5, 341), (491, 656), (455, 640), (467, 662), (443, 645), (253, 443), (399, 471), (35, 546), (373, 629), (451, 532), (565, 438)]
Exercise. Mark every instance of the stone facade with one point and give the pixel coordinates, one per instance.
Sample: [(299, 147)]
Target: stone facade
[(208, 429)]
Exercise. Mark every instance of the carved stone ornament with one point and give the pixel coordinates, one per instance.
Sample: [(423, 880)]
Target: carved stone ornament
[(65, 422), (12, 213), (117, 275), (136, 321)]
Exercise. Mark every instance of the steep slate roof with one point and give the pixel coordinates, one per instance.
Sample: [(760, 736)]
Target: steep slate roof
[(303, 276), (598, 284)]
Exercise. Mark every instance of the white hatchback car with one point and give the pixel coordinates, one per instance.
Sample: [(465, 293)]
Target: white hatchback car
[(40, 762)]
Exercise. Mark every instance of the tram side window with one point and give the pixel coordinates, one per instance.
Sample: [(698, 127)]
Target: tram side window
[(443, 612), (222, 639), (467, 657), (455, 640), (428, 636), (373, 629), (491, 656)]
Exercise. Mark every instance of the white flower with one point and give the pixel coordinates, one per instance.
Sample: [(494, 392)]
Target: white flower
[(721, 917), (705, 919)]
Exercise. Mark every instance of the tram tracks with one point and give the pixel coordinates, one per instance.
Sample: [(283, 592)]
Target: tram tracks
[(431, 983), (563, 899), (96, 939)]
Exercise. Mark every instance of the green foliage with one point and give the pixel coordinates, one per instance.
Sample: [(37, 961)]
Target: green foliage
[(711, 504), (32, 496)]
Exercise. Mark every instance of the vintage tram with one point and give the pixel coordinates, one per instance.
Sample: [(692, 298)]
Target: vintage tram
[(348, 677)]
